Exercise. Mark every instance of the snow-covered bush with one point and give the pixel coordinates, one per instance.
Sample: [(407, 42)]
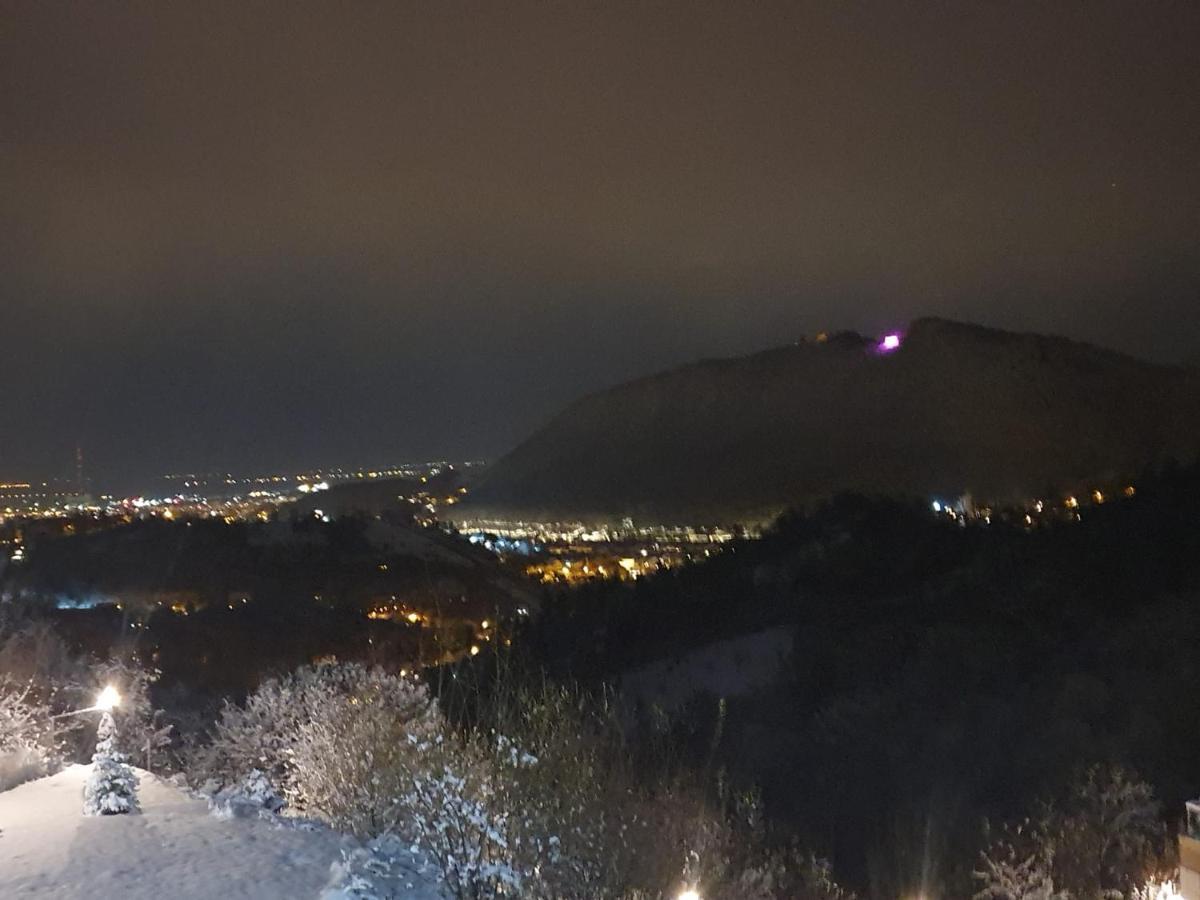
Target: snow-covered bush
[(1157, 890), (1018, 865), (784, 875), (111, 788), (453, 815), (24, 724), (547, 805), (678, 836), (371, 754), (1108, 835), (252, 796), (266, 732), (1103, 840), (380, 760), (758, 868), (383, 869), (23, 754), (553, 763), (576, 818), (31, 741), (361, 749), (37, 677), (534, 796)]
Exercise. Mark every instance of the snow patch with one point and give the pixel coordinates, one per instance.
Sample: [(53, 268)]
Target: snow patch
[(175, 849)]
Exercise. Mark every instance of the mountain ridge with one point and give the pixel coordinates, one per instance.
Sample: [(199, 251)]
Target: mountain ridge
[(955, 408)]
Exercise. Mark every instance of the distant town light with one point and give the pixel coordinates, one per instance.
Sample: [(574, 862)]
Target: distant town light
[(889, 343)]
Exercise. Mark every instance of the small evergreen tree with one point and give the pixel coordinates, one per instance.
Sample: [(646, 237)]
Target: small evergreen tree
[(111, 788)]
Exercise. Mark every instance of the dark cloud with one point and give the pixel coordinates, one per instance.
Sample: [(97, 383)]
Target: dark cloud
[(259, 235)]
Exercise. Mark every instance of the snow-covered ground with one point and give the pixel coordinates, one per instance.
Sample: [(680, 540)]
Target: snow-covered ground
[(174, 850)]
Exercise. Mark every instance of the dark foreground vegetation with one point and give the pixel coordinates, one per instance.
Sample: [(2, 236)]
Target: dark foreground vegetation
[(940, 676)]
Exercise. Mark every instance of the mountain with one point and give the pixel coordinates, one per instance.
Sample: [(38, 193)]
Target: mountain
[(954, 408)]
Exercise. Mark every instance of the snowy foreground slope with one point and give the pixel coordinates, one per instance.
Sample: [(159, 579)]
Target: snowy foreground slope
[(174, 850)]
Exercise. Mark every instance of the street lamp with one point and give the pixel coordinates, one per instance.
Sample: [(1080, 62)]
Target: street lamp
[(108, 699)]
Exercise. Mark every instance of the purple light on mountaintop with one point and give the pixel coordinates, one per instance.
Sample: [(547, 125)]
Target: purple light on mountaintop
[(889, 343)]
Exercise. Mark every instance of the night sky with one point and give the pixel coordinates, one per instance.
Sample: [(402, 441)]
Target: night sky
[(305, 234)]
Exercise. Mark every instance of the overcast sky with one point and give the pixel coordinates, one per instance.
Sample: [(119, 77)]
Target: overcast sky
[(269, 236)]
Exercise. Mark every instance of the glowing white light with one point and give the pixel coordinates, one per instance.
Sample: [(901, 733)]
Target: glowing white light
[(1151, 890), (108, 699), (689, 894), (937, 507), (890, 342)]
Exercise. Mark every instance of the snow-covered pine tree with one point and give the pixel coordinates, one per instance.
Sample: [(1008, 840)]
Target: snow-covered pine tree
[(111, 788)]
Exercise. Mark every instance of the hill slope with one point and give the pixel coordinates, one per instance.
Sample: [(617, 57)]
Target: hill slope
[(956, 408)]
